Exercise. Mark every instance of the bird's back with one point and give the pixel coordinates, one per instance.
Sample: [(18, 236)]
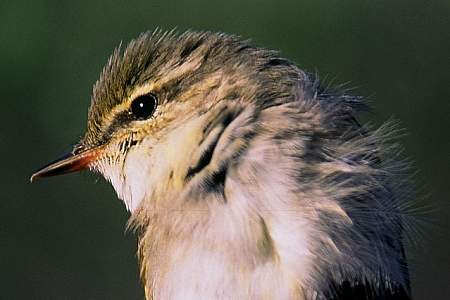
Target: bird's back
[(245, 178), (294, 201)]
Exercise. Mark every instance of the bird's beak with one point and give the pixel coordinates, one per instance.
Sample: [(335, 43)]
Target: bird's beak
[(69, 163)]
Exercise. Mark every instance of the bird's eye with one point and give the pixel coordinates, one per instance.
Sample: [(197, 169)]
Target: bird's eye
[(144, 106)]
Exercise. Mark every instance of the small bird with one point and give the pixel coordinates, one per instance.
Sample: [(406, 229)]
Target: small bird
[(244, 176)]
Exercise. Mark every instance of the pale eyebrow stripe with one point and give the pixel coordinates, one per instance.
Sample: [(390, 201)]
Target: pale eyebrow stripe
[(118, 115)]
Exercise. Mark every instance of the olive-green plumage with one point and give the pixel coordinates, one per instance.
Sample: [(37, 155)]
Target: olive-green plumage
[(245, 178)]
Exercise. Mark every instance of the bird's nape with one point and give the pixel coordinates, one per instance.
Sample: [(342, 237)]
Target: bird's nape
[(239, 167)]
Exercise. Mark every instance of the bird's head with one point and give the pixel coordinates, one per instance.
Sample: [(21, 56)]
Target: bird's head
[(203, 116), (160, 107)]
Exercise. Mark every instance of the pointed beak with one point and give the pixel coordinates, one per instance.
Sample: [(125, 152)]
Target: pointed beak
[(69, 163)]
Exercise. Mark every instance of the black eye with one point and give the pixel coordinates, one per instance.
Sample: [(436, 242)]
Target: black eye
[(144, 106)]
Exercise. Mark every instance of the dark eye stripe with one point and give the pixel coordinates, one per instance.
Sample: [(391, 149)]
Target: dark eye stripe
[(119, 120), (141, 108)]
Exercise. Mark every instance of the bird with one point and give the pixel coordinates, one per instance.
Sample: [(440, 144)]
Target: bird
[(244, 175)]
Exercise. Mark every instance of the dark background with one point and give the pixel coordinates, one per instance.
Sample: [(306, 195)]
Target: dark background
[(64, 238)]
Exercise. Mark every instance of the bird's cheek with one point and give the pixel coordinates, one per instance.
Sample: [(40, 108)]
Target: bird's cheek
[(173, 154)]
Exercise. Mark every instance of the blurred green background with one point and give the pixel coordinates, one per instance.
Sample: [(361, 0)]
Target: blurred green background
[(64, 238)]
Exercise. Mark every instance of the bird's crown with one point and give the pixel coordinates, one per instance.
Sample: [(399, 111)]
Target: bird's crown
[(173, 67)]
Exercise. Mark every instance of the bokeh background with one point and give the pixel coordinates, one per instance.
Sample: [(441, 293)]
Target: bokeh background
[(64, 238)]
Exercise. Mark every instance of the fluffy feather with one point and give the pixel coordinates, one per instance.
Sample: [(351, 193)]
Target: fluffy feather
[(251, 181)]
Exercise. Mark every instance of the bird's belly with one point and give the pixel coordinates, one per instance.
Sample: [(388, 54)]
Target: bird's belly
[(211, 276)]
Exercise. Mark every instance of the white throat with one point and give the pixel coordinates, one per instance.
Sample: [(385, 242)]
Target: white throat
[(148, 165)]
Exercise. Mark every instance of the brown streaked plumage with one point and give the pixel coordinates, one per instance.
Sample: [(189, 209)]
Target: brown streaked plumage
[(245, 179)]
